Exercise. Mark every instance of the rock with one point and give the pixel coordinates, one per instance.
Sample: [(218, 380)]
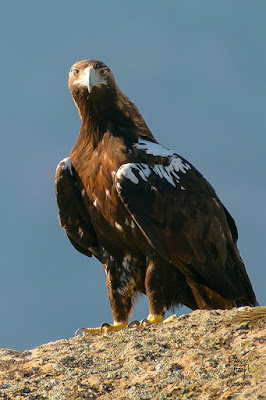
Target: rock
[(204, 355)]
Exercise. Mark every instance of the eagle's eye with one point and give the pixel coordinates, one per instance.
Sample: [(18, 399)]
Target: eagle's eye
[(103, 72), (75, 72)]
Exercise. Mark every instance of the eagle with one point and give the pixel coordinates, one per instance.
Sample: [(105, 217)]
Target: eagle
[(145, 212)]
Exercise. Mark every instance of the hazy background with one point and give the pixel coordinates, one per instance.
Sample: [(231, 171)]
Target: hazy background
[(196, 70)]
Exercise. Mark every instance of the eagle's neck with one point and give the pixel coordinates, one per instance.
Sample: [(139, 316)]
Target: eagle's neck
[(114, 113), (92, 131)]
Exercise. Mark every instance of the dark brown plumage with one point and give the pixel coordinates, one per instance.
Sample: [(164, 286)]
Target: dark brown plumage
[(147, 214)]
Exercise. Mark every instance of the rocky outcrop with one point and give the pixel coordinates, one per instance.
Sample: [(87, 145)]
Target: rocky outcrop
[(203, 355)]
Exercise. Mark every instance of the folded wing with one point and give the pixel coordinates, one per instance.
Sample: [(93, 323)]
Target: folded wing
[(182, 218), (73, 216)]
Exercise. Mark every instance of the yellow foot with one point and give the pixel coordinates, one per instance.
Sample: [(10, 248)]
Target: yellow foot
[(102, 329), (155, 318), (152, 319)]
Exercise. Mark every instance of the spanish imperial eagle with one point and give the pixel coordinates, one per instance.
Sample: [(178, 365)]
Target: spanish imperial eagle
[(143, 211)]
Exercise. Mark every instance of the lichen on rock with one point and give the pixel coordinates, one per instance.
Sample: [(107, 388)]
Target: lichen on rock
[(203, 355)]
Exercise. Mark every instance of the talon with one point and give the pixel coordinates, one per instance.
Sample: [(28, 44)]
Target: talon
[(105, 324), (170, 319), (133, 323), (145, 322), (79, 331)]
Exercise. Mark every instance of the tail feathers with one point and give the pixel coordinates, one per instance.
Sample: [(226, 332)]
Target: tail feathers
[(244, 302), (208, 299)]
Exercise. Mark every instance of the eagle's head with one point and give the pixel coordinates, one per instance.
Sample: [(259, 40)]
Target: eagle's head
[(89, 81), (99, 99)]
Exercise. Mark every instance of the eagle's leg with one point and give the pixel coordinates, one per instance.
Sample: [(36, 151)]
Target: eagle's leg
[(120, 298), (154, 291)]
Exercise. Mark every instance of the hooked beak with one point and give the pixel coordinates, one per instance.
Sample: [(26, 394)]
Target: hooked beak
[(91, 79), (87, 78)]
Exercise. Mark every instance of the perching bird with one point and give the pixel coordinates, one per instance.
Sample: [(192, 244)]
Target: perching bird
[(143, 211)]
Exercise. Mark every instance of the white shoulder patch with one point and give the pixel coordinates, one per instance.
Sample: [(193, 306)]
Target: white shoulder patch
[(154, 149), (126, 171), (65, 164), (171, 172)]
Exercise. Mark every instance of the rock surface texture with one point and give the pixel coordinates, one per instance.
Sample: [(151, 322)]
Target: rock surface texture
[(203, 355)]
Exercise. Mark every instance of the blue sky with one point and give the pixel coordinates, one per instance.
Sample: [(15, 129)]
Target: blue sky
[(195, 69)]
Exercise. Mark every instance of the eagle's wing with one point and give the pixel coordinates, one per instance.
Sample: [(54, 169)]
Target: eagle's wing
[(73, 215), (182, 218), (231, 224)]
